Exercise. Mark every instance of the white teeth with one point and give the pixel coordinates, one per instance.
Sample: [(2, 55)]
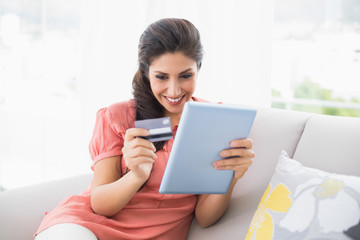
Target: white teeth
[(174, 99)]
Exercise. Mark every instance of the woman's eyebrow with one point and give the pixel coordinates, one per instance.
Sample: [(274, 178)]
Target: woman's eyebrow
[(189, 69), (161, 72)]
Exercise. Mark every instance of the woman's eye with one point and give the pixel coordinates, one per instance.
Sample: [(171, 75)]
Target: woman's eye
[(187, 76), (161, 77)]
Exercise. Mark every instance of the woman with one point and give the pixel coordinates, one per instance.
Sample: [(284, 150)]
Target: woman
[(123, 200)]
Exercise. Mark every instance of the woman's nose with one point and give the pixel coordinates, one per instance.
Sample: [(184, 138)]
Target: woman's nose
[(174, 88)]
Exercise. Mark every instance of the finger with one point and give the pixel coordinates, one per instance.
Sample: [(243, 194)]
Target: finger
[(232, 163), (140, 142), (139, 152), (237, 170), (242, 143), (132, 133), (135, 162), (242, 152)]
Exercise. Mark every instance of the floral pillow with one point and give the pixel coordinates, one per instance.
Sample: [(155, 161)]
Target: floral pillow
[(306, 203)]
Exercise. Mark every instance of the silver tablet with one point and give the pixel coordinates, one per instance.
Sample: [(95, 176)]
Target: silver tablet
[(205, 129)]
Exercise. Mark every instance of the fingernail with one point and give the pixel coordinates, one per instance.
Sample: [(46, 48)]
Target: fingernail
[(216, 165), (223, 154), (233, 144)]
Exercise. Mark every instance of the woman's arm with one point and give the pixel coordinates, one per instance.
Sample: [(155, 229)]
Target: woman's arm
[(111, 192), (211, 207)]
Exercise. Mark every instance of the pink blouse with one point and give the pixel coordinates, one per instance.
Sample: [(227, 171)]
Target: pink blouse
[(149, 214)]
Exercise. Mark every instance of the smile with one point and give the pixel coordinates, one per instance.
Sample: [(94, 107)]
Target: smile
[(174, 100)]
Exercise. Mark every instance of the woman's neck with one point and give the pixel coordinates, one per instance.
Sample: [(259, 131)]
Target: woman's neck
[(174, 118)]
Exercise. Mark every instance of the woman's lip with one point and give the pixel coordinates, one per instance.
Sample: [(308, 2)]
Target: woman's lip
[(174, 103)]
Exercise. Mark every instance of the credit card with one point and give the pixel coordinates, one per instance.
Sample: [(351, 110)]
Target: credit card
[(159, 128)]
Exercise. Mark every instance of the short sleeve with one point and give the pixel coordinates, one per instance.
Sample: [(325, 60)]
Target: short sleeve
[(105, 142)]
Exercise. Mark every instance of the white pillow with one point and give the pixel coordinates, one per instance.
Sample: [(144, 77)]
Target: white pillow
[(306, 203)]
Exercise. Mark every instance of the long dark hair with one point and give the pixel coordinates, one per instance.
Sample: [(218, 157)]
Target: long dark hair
[(169, 35)]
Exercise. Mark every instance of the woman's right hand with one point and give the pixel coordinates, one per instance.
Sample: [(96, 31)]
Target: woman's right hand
[(138, 153)]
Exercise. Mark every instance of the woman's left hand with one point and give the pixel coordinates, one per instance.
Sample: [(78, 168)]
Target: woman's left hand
[(238, 158)]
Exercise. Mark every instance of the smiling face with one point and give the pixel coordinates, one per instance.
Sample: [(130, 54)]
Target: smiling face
[(172, 79)]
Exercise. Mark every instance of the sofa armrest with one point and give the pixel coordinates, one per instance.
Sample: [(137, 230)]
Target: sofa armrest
[(21, 210)]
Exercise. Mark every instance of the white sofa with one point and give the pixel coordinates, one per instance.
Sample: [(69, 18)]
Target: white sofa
[(324, 142)]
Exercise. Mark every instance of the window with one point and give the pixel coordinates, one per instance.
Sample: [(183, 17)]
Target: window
[(62, 60), (316, 56), (39, 89)]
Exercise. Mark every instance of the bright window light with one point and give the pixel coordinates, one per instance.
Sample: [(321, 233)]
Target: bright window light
[(316, 56)]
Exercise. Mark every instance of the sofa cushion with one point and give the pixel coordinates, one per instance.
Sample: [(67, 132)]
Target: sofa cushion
[(306, 203), (331, 143)]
